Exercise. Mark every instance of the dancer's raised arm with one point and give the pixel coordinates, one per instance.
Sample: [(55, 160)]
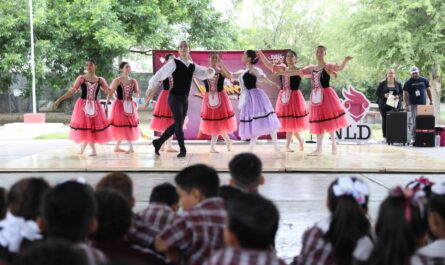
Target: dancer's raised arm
[(227, 74), (333, 67), (203, 73), (268, 64), (299, 72), (263, 78), (160, 75)]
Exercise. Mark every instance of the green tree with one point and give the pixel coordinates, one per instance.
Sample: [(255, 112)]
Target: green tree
[(302, 25), (14, 40), (400, 34), (68, 32)]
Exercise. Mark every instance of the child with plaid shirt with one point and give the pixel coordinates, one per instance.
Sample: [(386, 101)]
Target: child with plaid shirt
[(162, 208), (195, 235), (250, 232)]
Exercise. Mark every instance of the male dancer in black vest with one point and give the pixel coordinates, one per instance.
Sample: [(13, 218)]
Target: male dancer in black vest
[(182, 70)]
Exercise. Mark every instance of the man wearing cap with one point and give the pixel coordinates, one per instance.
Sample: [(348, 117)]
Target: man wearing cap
[(415, 90)]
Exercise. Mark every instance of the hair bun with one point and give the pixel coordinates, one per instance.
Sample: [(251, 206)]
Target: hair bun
[(255, 60)]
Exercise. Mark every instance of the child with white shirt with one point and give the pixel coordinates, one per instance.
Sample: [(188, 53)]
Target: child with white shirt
[(434, 253)]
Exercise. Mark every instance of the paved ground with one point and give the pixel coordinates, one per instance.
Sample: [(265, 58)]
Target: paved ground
[(299, 197)]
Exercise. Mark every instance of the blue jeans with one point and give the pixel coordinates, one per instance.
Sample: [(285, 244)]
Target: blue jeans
[(412, 121)]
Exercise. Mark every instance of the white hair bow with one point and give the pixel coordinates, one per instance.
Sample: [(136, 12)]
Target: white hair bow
[(346, 186), (15, 229), (80, 180), (438, 188)]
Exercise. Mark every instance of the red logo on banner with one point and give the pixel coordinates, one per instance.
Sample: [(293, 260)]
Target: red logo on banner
[(356, 107), (356, 104)]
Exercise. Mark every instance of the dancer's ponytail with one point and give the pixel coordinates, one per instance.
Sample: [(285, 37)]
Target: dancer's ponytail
[(252, 55)]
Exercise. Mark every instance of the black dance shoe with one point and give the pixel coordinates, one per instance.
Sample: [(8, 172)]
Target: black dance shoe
[(182, 153), (157, 145)]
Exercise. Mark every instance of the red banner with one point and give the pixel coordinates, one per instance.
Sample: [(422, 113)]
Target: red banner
[(232, 60)]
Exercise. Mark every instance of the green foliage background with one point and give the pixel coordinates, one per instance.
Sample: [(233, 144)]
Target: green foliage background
[(379, 34)]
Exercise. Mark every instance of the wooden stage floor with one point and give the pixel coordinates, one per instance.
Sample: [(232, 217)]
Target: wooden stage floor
[(61, 156)]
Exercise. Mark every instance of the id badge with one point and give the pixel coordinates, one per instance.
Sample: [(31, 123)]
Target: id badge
[(417, 93)]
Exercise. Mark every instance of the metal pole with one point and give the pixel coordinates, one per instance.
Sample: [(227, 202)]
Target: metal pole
[(33, 67)]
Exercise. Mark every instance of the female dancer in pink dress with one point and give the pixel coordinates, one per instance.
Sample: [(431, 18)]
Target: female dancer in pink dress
[(162, 115), (89, 123), (326, 113), (217, 115), (290, 107), (124, 119)]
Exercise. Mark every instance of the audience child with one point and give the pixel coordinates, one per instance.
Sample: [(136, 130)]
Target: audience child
[(401, 228), (345, 236), (51, 252), (227, 192), (3, 203), (19, 228), (434, 253), (162, 208), (69, 213), (246, 172), (422, 183), (140, 233), (250, 232), (114, 219), (198, 232)]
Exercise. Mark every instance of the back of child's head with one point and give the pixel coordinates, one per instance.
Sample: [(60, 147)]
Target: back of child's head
[(253, 220), (421, 184), (25, 197), (113, 215), (164, 193), (3, 202), (227, 192), (436, 206), (401, 224), (347, 201), (123, 261), (245, 170), (69, 210), (51, 252), (200, 177), (118, 181)]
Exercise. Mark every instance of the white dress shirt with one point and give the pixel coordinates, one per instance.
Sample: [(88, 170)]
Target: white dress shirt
[(168, 69)]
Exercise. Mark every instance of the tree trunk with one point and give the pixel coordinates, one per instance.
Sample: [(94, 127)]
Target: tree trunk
[(436, 91)]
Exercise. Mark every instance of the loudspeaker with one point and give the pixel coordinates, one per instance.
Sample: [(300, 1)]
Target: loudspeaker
[(425, 139), (425, 122), (397, 127)]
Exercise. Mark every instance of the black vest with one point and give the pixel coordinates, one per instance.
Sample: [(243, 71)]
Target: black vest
[(120, 92), (166, 84), (85, 90), (182, 78), (324, 79), (249, 80), (219, 83), (294, 82)]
